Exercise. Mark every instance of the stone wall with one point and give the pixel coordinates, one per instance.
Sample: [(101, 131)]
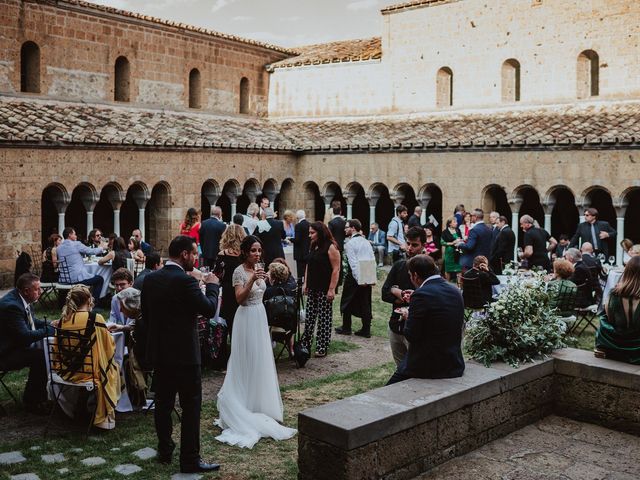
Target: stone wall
[(26, 172), (80, 44), (474, 38), (399, 431)]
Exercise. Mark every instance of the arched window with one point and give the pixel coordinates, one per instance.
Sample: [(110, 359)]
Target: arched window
[(30, 68), (588, 74), (194, 88), (244, 95), (511, 81), (121, 91), (444, 87)]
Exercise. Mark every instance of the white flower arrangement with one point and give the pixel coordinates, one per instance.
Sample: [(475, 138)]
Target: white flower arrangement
[(519, 327)]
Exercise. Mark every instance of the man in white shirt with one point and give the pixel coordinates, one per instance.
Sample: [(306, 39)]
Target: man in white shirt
[(121, 279), (356, 298)]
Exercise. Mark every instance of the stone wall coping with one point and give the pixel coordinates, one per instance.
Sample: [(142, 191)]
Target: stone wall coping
[(583, 364), (356, 421), (359, 420)]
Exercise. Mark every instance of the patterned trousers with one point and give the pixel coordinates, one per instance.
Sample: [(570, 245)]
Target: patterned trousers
[(321, 310)]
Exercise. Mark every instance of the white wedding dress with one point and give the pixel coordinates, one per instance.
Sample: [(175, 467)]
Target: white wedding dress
[(249, 401)]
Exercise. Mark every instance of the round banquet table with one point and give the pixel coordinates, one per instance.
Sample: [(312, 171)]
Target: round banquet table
[(105, 271)]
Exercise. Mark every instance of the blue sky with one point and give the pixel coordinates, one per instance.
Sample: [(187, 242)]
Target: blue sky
[(287, 23)]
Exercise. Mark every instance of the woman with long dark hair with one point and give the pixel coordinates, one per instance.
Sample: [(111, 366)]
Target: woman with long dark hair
[(249, 401), (320, 281), (618, 336)]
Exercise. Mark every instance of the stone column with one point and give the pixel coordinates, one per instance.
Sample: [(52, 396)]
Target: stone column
[(233, 209), (621, 210), (424, 200), (233, 199), (349, 211), (372, 214), (89, 221), (141, 225), (515, 203), (349, 197), (116, 221), (141, 197), (61, 222), (548, 208)]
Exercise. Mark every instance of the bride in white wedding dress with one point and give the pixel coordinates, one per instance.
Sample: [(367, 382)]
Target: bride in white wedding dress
[(249, 401)]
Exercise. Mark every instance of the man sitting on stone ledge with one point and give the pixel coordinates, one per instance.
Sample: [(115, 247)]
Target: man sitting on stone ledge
[(433, 326)]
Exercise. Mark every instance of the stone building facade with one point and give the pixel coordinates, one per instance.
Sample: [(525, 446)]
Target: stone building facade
[(87, 139)]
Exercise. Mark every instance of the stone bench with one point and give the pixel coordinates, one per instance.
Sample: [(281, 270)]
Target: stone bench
[(402, 430)]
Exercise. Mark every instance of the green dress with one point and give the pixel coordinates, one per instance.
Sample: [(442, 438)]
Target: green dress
[(618, 335), (451, 264)]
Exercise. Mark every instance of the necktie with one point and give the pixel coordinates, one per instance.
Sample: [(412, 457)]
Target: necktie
[(31, 324), (594, 237)]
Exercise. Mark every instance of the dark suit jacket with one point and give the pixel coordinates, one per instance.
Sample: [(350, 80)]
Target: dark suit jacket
[(272, 241), (210, 232), (587, 282), (584, 232), (336, 227), (478, 243), (414, 221), (434, 332), (14, 324), (502, 249), (486, 280), (171, 301), (301, 241)]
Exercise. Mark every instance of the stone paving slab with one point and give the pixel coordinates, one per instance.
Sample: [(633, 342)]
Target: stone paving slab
[(25, 476), (145, 453), (127, 469), (186, 476), (9, 458), (63, 471), (93, 461), (54, 458), (554, 448)]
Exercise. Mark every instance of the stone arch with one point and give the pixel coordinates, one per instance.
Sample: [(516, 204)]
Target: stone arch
[(209, 194), (195, 89), (251, 192), (631, 199), (244, 103), (231, 190), (122, 80), (270, 189), (599, 197), (378, 196), (284, 198), (357, 204), (404, 194), (494, 197), (313, 201), (564, 213), (133, 209), (106, 214), (158, 217), (511, 80), (530, 205), (79, 212), (53, 203), (331, 192), (30, 67), (588, 74), (444, 87), (430, 199)]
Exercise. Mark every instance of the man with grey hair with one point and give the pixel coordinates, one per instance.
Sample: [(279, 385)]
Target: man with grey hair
[(588, 285), (537, 244), (478, 242), (415, 220), (271, 238), (210, 232), (301, 243)]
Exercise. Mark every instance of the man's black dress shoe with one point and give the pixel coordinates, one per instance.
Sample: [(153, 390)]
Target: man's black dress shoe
[(363, 333), (200, 467), (343, 331), (163, 459)]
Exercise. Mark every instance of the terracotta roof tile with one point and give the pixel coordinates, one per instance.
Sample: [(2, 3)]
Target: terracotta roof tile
[(56, 123), (169, 23), (334, 52)]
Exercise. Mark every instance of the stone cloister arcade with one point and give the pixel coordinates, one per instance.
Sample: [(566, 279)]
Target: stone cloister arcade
[(114, 208)]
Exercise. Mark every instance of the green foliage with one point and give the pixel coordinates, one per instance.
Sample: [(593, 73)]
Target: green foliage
[(519, 327)]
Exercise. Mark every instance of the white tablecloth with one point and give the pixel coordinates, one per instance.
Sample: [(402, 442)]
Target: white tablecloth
[(105, 271), (288, 256), (497, 289), (69, 396)]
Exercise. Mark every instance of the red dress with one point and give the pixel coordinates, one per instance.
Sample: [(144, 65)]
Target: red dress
[(193, 232)]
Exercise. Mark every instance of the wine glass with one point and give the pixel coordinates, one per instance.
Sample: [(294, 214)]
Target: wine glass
[(612, 260)]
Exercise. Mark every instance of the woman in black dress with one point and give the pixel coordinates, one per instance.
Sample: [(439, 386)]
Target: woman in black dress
[(230, 255)]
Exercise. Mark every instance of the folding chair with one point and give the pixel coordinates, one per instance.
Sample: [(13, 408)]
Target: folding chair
[(284, 327), (3, 412), (64, 281), (69, 354), (584, 316), (137, 268), (565, 302), (473, 297)]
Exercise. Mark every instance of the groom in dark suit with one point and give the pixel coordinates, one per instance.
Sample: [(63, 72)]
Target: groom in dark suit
[(478, 243), (19, 332), (433, 326), (211, 231), (503, 246), (171, 302)]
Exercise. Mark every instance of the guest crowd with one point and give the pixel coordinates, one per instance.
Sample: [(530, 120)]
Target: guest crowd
[(436, 272)]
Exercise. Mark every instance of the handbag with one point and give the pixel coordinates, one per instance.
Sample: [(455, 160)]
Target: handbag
[(300, 352), (281, 310)]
